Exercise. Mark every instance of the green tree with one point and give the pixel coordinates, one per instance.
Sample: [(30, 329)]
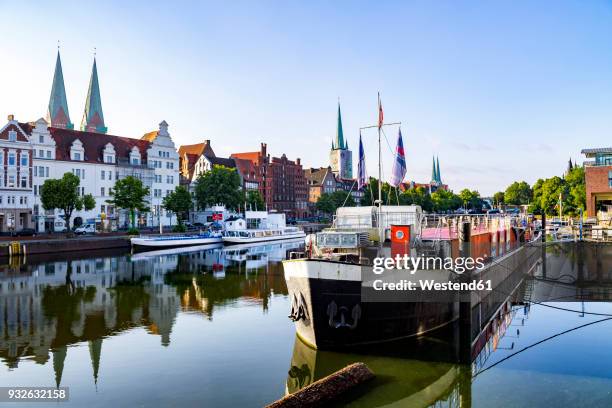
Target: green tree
[(342, 198), (178, 202), (444, 201), (536, 201), (417, 196), (498, 198), (470, 198), (518, 193), (552, 189), (129, 194), (63, 194), (370, 193), (576, 199), (221, 185), (254, 200), (326, 204)]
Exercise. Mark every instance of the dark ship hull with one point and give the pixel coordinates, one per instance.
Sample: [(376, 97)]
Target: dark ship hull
[(329, 314)]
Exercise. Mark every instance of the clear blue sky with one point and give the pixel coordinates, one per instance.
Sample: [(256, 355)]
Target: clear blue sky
[(500, 90)]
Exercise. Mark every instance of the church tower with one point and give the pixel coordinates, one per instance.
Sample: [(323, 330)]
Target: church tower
[(93, 118), (340, 157), (57, 113)]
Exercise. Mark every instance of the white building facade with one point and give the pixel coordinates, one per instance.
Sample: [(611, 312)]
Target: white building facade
[(99, 160)]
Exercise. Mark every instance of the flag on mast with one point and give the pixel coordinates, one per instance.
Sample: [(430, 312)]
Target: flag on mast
[(380, 112), (361, 169), (399, 165)]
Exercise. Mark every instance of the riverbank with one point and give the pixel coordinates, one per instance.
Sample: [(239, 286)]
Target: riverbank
[(65, 244)]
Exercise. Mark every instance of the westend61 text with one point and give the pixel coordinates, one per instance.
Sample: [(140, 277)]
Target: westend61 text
[(457, 265), (432, 285)]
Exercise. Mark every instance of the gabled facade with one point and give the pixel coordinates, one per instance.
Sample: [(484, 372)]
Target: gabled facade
[(16, 196), (99, 160)]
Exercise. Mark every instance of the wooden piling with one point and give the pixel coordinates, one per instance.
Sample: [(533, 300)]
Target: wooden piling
[(326, 389)]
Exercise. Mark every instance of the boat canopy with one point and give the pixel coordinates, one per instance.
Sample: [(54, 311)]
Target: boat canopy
[(366, 217)]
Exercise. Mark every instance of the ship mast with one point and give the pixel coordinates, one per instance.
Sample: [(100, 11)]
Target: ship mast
[(379, 201)]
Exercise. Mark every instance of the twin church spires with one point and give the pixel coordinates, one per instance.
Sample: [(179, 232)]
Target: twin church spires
[(58, 116)]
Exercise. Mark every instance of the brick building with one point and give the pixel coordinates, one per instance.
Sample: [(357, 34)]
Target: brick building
[(598, 178), (280, 181)]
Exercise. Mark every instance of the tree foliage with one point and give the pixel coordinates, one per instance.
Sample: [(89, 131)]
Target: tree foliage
[(470, 198), (328, 203), (254, 200), (499, 198), (571, 190), (129, 194), (518, 193), (178, 202), (63, 194), (444, 201), (221, 185)]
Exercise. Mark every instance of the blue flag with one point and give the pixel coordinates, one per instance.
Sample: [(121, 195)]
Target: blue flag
[(361, 169), (399, 166)]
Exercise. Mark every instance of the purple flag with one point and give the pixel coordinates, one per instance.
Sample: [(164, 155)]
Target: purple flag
[(399, 166), (361, 170)]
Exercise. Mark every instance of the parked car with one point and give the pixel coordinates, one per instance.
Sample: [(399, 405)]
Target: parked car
[(26, 232), (493, 211), (85, 229), (198, 225)]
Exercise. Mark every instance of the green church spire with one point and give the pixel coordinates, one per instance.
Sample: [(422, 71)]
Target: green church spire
[(57, 114), (95, 350), (59, 356), (93, 118), (438, 170), (339, 142), (434, 173)]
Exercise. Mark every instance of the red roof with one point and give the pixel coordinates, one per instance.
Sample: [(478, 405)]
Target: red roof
[(94, 144), (251, 156), (246, 168)]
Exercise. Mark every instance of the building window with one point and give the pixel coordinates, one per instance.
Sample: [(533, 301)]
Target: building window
[(169, 165), (24, 159), (77, 156), (170, 179), (109, 158), (102, 191), (35, 189), (48, 154), (12, 135), (11, 181), (11, 159), (46, 172), (102, 175), (610, 179), (24, 181), (41, 139)]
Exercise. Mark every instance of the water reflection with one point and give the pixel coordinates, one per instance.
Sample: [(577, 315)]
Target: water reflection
[(430, 372), (47, 304)]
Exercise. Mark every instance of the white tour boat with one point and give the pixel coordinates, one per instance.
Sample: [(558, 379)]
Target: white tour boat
[(259, 226), (170, 241)]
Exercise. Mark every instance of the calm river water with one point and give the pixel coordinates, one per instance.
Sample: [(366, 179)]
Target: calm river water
[(209, 328)]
